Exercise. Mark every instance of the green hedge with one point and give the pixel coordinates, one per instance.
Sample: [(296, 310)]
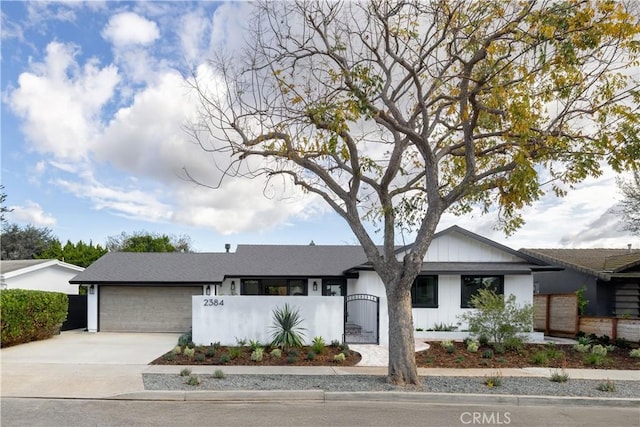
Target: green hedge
[(31, 315)]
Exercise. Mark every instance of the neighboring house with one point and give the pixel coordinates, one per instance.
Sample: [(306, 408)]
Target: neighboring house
[(152, 291), (611, 278), (39, 274)]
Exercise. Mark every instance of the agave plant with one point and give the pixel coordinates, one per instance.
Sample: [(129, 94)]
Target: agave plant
[(286, 330)]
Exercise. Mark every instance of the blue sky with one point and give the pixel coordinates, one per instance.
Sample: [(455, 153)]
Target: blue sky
[(93, 110)]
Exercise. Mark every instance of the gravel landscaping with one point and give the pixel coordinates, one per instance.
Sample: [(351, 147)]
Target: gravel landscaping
[(476, 385)]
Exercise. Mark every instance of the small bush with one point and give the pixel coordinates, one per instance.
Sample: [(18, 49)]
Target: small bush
[(443, 327), (339, 358), (499, 348), (185, 372), (257, 354), (224, 359), (345, 352), (607, 386), (539, 358), (318, 345), (623, 344), (559, 376), (216, 345), (211, 351), (635, 353), (335, 343), (241, 342), (293, 353), (599, 350), (200, 357), (483, 340), (311, 355), (493, 380), (253, 344), (287, 330), (594, 359), (552, 351), (189, 352), (193, 380), (584, 340), (451, 349), (514, 344), (446, 343), (459, 359), (191, 344), (176, 350), (218, 374), (235, 352), (344, 346), (276, 353), (473, 346), (169, 357), (610, 348), (582, 348), (29, 315), (291, 360), (487, 354), (185, 339)]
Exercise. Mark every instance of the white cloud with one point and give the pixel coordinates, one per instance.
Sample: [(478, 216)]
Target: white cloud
[(31, 213), (128, 28), (60, 102)]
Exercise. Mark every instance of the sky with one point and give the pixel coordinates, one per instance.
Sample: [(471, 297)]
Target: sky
[(94, 108)]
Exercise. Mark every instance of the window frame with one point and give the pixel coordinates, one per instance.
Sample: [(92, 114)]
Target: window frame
[(465, 297), (274, 282), (429, 279)]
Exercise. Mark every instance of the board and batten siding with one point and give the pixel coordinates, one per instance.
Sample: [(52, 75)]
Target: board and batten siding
[(455, 247)]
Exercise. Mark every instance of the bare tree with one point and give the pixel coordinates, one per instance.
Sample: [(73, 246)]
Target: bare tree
[(631, 202), (396, 111)]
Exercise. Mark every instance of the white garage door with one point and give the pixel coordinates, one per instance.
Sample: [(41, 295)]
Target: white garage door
[(146, 308)]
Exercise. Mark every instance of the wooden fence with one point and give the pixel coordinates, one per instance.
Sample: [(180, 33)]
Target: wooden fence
[(557, 315)]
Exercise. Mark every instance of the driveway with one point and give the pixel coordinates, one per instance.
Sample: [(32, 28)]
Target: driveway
[(81, 364)]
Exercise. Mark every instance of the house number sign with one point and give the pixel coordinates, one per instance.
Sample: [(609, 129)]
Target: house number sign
[(211, 302)]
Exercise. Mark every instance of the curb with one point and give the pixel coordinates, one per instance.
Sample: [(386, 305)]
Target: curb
[(387, 396)]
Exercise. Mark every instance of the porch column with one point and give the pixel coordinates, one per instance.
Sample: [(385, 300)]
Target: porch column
[(92, 308)]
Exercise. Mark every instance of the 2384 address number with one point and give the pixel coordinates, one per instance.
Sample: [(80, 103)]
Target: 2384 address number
[(213, 302)]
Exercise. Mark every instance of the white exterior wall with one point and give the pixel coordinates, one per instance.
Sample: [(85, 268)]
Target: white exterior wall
[(92, 308), (228, 318), (51, 279), (225, 288), (455, 247)]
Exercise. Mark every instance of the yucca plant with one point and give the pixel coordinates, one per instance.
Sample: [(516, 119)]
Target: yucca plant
[(286, 330)]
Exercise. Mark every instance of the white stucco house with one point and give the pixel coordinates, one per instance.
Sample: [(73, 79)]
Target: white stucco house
[(173, 292), (39, 274)]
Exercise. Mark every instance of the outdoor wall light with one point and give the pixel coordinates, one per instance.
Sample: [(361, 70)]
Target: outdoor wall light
[(233, 285), (207, 290), (315, 286), (92, 289)]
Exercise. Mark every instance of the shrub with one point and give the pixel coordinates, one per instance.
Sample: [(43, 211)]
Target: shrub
[(29, 315), (483, 340), (514, 344), (291, 360), (497, 317), (311, 355), (622, 343), (276, 353), (559, 376), (459, 359), (594, 359), (170, 357), (582, 301), (344, 346), (473, 346), (318, 345), (193, 380), (189, 352), (185, 372), (582, 348), (552, 351), (176, 350), (446, 343), (211, 351), (451, 349), (610, 348), (607, 386), (235, 352), (335, 343), (599, 350), (635, 353), (257, 354), (493, 380), (200, 357), (254, 344), (225, 359), (539, 358), (216, 345), (443, 327), (339, 358), (346, 352), (584, 340), (499, 348), (286, 329), (185, 339), (218, 374), (487, 354), (241, 342)]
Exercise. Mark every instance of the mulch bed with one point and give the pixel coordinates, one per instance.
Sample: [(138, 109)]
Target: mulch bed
[(565, 357), (241, 356)]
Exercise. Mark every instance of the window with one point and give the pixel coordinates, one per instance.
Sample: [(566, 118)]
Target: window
[(424, 292), (278, 287), (471, 285), (333, 288)]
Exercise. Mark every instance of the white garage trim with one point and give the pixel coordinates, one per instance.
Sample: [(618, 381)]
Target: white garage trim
[(146, 308)]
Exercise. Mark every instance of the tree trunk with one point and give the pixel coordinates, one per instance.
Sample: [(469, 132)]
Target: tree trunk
[(402, 356)]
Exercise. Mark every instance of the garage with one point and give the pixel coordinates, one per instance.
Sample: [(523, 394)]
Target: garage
[(145, 308)]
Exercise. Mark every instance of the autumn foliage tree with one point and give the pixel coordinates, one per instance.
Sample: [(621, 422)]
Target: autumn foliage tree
[(397, 111)]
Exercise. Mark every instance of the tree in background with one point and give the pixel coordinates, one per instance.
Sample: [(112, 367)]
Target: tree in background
[(148, 242), (394, 112), (24, 243), (80, 254), (631, 203), (3, 208)]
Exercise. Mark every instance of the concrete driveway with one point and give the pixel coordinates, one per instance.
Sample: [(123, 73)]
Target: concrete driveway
[(81, 364)]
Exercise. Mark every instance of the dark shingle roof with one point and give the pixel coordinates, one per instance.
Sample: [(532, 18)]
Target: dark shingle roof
[(7, 266), (603, 263)]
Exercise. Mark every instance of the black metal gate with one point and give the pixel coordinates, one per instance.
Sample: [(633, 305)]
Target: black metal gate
[(361, 319), (76, 314)]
